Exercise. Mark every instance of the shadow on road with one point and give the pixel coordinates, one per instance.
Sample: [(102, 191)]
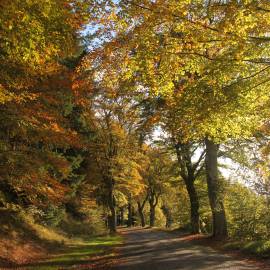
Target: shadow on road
[(147, 249)]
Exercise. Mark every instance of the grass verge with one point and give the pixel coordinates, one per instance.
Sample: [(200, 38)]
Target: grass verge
[(89, 254), (260, 248), (254, 252)]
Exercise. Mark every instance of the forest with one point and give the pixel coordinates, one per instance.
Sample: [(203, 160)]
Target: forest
[(133, 113)]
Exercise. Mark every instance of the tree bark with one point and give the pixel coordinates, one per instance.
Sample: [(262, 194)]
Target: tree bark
[(152, 215), (140, 209), (168, 215), (187, 172), (142, 218), (112, 221), (111, 203), (215, 191), (194, 206), (129, 223), (141, 214), (122, 216), (153, 201)]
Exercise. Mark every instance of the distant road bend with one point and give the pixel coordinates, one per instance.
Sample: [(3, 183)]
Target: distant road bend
[(147, 249)]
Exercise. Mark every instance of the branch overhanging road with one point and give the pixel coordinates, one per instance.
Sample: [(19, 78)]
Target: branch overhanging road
[(147, 249)]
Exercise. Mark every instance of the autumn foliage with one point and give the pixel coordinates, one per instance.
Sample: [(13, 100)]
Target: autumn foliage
[(122, 112)]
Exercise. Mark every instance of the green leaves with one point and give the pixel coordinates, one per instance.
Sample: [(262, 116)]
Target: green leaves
[(202, 57)]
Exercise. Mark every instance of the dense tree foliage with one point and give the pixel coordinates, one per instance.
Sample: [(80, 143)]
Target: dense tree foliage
[(123, 112), (207, 57)]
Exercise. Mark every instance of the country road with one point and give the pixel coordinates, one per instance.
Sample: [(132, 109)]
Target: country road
[(147, 249)]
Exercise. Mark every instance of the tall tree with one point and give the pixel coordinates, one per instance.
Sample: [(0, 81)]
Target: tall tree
[(157, 175), (213, 56), (36, 97), (113, 147)]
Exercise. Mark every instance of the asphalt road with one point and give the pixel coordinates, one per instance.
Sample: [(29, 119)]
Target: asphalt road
[(147, 249)]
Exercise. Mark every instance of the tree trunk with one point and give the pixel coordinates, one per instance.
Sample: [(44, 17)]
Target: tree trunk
[(168, 215), (152, 215), (188, 175), (194, 206), (142, 218), (140, 211), (129, 223), (215, 191), (112, 219), (153, 199), (122, 216)]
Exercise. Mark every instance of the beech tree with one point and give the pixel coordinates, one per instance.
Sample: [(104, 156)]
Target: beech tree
[(157, 175), (87, 85), (113, 147), (212, 56)]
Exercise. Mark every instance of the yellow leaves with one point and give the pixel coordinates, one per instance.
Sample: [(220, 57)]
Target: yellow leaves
[(5, 96), (35, 88), (35, 32), (113, 16)]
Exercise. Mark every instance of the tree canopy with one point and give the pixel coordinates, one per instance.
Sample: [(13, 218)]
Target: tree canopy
[(122, 112)]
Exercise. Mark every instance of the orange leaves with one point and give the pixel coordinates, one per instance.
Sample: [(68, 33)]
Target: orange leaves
[(36, 95), (81, 88), (29, 174)]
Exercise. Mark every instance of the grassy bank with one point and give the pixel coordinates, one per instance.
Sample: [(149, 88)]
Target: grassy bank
[(95, 252), (259, 248), (25, 244)]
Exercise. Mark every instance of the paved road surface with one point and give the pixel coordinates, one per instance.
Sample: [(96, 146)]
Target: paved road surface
[(147, 249)]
